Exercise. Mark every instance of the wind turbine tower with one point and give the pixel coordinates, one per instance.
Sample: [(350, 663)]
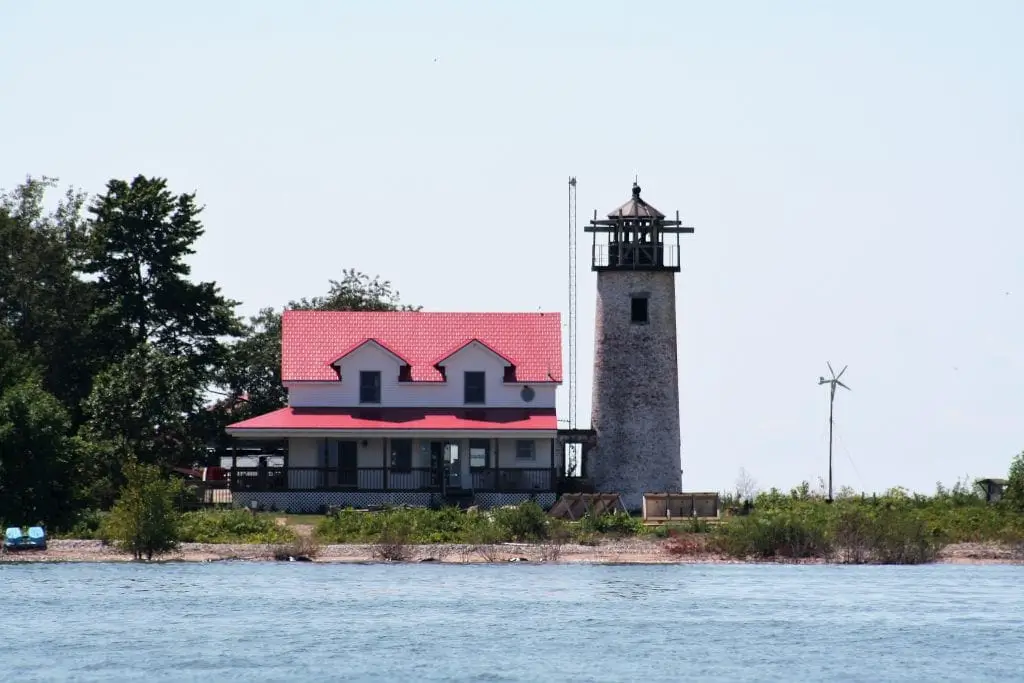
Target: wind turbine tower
[(832, 384)]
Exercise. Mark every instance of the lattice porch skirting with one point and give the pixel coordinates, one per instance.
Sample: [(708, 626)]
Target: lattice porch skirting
[(316, 501)]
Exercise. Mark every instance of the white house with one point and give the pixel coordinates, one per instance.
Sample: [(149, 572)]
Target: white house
[(411, 407)]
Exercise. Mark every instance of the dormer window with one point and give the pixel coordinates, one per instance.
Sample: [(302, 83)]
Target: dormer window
[(475, 393), (369, 386)]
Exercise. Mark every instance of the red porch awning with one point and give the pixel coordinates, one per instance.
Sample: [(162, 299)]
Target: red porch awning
[(391, 419)]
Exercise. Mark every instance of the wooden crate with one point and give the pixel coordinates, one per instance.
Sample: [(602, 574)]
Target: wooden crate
[(668, 507)]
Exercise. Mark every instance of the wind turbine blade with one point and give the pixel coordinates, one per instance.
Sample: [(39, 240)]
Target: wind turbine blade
[(843, 385), (830, 369), (842, 371)]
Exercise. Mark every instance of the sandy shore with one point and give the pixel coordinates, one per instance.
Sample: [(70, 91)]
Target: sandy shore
[(629, 551)]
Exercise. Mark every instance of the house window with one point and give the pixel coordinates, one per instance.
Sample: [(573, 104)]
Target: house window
[(526, 450), (479, 453), (474, 387), (638, 310), (369, 386), (401, 455)]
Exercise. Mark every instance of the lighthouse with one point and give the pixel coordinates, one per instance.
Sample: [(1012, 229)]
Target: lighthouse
[(635, 404)]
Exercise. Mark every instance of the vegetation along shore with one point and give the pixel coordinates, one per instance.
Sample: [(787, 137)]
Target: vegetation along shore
[(953, 525)]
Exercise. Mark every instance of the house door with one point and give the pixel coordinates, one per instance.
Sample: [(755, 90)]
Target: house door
[(342, 467), (437, 466), (453, 465)]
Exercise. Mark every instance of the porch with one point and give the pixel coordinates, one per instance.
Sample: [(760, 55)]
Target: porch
[(524, 463), (383, 479)]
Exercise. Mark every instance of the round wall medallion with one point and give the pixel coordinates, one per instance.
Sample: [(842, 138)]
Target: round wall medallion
[(527, 393)]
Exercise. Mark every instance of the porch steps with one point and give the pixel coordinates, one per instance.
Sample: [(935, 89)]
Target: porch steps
[(459, 499)]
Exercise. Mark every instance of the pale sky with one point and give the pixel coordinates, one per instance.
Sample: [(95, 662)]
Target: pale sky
[(854, 172)]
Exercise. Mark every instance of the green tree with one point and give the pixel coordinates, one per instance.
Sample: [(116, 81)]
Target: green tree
[(356, 291), (43, 303), (251, 375), (140, 236), (1014, 494), (38, 458), (14, 366), (145, 521), (143, 407)]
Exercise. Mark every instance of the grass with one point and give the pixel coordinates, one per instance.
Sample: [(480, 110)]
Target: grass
[(231, 526), (292, 520), (523, 523)]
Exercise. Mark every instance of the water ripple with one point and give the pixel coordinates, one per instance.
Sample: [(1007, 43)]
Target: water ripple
[(311, 622)]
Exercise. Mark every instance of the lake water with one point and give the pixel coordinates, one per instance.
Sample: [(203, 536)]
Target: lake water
[(316, 622)]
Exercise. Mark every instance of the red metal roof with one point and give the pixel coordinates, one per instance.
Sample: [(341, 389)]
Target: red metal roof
[(312, 340), (438, 419)]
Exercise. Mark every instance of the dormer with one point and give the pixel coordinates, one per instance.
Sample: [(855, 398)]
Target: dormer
[(477, 365), (475, 355), (370, 354)]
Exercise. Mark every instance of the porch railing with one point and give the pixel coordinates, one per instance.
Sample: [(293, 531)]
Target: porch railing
[(510, 480), (514, 479)]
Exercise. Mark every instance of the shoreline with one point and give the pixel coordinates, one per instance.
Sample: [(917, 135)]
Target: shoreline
[(623, 551)]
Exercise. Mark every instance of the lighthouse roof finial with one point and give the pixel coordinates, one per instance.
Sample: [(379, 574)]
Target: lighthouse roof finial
[(636, 207)]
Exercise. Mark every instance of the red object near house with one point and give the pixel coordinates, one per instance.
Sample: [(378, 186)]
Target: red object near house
[(214, 474)]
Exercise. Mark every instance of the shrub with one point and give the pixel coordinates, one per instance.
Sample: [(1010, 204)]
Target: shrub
[(86, 526), (559, 531), (524, 522), (232, 526), (1013, 496), (344, 526), (392, 543), (302, 548), (447, 525), (612, 523), (902, 537), (551, 550), (854, 534), (790, 534), (144, 520)]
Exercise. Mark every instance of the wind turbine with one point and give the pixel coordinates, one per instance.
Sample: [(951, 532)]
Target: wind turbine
[(833, 383)]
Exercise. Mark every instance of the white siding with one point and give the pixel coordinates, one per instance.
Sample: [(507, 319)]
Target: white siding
[(303, 452), (507, 454), (449, 394)]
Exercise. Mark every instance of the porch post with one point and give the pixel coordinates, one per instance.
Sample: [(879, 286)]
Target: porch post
[(554, 470), (234, 464), (285, 464), (497, 464), (385, 456)]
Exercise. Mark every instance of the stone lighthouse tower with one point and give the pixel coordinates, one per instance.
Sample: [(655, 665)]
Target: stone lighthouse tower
[(636, 375)]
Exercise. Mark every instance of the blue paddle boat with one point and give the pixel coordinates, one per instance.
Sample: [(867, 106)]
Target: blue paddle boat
[(14, 539), (36, 538)]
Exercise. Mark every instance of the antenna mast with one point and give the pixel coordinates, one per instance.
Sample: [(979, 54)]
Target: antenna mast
[(833, 383), (572, 302)]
